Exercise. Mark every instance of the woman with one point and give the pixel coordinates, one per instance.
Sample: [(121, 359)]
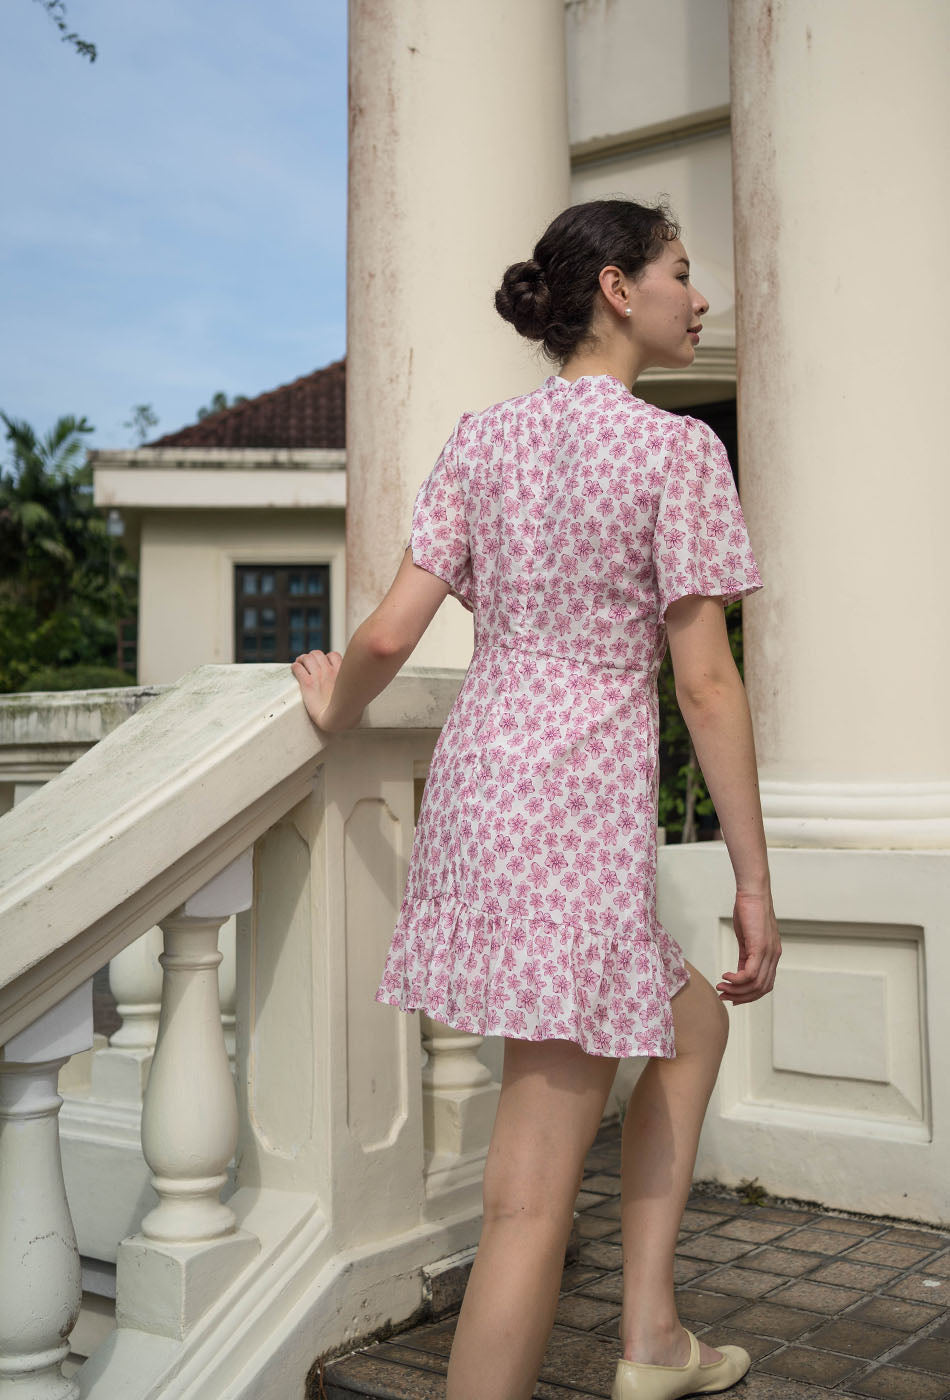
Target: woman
[(587, 531)]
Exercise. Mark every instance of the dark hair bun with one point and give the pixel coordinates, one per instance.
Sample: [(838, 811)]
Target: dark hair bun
[(553, 296), (524, 299)]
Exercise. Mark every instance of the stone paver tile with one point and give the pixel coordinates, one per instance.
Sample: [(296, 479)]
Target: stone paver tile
[(545, 1391), (942, 1331), (593, 1227), (888, 1383), (602, 1184), (940, 1265), (722, 1334), (715, 1247), (783, 1261), (932, 1239), (922, 1288), (756, 1231), (409, 1356), (610, 1329), (576, 1310), (927, 1354), (817, 1241), (893, 1312), (388, 1380), (779, 1214), (816, 1297), (855, 1338), (435, 1337), (586, 1199), (700, 1219), (608, 1286), (586, 1361), (607, 1207), (758, 1386), (696, 1305), (805, 1364), (604, 1255), (576, 1275), (901, 1256), (867, 1277), (845, 1226), (714, 1205), (747, 1283), (775, 1320), (685, 1270)]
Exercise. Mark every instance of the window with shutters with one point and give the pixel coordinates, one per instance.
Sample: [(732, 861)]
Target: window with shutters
[(280, 610)]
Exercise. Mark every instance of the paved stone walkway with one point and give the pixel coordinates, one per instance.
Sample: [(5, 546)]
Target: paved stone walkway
[(826, 1304)]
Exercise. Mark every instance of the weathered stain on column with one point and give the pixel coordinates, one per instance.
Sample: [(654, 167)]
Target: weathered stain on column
[(840, 362), (447, 115)]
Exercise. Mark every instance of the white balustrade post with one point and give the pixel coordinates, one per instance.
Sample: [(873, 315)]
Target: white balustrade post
[(166, 1276), (40, 1276), (227, 984), (120, 1070), (459, 1099)]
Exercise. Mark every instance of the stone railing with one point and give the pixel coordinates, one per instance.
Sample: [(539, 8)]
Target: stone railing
[(304, 1155)]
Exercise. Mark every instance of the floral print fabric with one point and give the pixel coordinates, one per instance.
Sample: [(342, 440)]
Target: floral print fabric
[(567, 520)]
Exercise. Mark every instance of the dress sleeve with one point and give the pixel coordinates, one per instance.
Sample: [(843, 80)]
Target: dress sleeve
[(700, 542), (439, 537)]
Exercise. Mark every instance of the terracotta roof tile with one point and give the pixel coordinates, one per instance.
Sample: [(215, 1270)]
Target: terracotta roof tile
[(310, 412)]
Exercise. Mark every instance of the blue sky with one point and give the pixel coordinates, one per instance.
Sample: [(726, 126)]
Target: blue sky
[(174, 214)]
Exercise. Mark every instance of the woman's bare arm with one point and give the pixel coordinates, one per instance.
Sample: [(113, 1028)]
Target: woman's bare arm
[(336, 689), (715, 707)]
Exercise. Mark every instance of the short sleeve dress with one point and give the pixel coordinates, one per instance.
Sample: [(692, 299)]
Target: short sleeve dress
[(567, 520)]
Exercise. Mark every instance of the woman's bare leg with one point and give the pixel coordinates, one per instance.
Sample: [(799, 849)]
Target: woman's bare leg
[(552, 1100), (660, 1138)]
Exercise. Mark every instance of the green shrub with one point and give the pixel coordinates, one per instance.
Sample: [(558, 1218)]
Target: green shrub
[(82, 677)]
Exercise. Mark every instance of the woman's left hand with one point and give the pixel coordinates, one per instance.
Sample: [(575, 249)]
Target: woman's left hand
[(316, 673)]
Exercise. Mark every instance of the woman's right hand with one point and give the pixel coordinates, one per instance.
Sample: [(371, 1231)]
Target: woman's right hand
[(760, 948)]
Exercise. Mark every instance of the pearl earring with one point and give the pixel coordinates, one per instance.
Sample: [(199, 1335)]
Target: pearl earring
[(627, 312)]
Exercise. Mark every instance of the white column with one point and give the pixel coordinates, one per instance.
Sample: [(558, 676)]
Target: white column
[(189, 1247), (842, 187), (458, 161), (40, 1276)]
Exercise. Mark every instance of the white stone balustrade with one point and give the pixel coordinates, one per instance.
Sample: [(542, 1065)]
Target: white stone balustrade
[(40, 1295), (459, 1099), (168, 1275), (335, 1201)]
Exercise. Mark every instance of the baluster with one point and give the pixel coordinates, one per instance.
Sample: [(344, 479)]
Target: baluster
[(40, 1277), (189, 1120), (459, 1098), (189, 1127), (227, 984), (120, 1070)]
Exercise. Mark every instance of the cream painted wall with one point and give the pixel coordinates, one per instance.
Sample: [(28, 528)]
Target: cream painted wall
[(638, 64), (186, 610), (696, 175)]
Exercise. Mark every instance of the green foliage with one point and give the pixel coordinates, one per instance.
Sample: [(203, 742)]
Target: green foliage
[(65, 583), (219, 402), (81, 677), (752, 1192), (56, 9), (142, 420), (684, 800)]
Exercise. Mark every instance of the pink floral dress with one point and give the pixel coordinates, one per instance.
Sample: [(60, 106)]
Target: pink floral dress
[(566, 519)]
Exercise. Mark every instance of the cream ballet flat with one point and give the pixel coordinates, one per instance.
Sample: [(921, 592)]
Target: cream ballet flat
[(637, 1380)]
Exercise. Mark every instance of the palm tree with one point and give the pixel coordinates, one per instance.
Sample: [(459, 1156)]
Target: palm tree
[(61, 589)]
